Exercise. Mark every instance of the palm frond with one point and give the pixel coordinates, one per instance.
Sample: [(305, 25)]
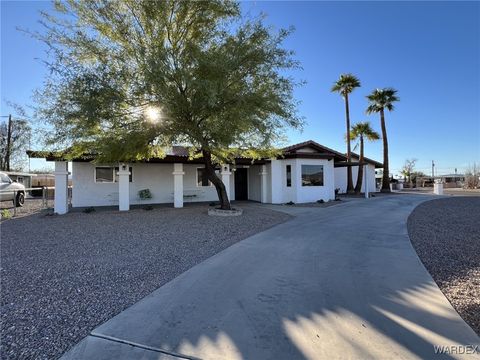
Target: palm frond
[(346, 84), (364, 129), (380, 99)]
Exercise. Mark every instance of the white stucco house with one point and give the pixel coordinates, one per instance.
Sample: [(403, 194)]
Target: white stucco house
[(305, 172)]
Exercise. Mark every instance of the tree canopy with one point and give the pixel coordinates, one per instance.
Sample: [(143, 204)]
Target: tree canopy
[(363, 130), (130, 78), (15, 136), (346, 84), (381, 99)]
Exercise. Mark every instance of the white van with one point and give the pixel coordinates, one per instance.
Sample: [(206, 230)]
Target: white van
[(9, 190)]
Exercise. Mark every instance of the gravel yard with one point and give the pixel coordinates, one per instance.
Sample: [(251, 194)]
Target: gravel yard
[(61, 276), (446, 236), (31, 206)]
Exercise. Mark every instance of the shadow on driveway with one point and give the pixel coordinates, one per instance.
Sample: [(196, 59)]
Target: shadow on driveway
[(334, 283)]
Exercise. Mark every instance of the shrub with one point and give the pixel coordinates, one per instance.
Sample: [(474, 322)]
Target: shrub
[(320, 201), (290, 203), (89, 210), (145, 194), (472, 177), (5, 214), (148, 207)]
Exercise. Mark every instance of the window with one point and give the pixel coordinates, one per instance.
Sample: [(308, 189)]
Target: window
[(202, 178), (108, 174), (4, 178), (103, 174), (312, 175), (289, 175)]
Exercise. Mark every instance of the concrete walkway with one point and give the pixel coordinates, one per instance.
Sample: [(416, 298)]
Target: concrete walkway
[(333, 283)]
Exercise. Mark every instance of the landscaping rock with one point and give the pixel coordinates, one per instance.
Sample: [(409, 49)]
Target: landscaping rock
[(446, 235), (64, 275)]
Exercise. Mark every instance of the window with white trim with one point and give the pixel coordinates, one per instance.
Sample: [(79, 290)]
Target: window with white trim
[(108, 174), (312, 175)]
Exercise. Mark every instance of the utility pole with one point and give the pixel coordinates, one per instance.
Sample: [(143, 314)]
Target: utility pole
[(9, 140), (433, 170)]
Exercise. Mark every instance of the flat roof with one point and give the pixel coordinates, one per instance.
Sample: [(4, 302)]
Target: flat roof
[(19, 173)]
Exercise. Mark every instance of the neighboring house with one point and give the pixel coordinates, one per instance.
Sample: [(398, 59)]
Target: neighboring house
[(46, 179), (452, 180), (448, 181), (305, 172), (21, 177)]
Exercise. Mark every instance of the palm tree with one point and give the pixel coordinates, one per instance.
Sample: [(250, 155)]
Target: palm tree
[(344, 86), (379, 100), (362, 131)]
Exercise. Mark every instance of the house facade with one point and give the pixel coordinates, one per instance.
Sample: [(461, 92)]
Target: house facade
[(305, 172)]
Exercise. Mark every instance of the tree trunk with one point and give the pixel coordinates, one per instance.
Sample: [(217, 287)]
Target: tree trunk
[(386, 178), (358, 187), (216, 181), (349, 152), (9, 143)]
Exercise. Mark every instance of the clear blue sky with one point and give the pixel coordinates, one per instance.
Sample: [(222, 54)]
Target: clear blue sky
[(429, 51)]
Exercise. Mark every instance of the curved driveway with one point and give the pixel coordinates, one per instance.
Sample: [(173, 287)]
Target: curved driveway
[(332, 283)]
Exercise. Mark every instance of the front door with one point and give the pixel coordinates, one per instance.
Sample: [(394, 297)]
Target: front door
[(241, 184)]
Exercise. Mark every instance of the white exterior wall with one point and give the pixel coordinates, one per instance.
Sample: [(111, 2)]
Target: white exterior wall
[(269, 182), (275, 183), (314, 193), (341, 178), (296, 192), (156, 177), (254, 183)]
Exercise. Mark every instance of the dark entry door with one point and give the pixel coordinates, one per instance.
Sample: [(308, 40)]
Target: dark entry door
[(241, 184)]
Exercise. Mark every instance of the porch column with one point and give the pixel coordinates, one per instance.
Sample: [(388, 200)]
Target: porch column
[(263, 184), (225, 172), (178, 185), (366, 181), (61, 187), (123, 187)]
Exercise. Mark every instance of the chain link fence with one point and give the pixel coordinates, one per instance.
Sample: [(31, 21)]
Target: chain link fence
[(17, 203)]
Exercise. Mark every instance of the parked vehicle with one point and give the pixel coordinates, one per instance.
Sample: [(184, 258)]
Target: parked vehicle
[(11, 190)]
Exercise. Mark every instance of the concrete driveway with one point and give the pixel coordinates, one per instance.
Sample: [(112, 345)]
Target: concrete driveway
[(333, 283)]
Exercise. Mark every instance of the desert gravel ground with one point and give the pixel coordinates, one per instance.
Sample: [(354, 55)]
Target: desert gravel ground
[(31, 206), (61, 276), (446, 235)]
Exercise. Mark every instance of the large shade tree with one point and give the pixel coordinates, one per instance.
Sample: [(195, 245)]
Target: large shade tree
[(362, 131), (378, 101), (130, 78), (344, 86)]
